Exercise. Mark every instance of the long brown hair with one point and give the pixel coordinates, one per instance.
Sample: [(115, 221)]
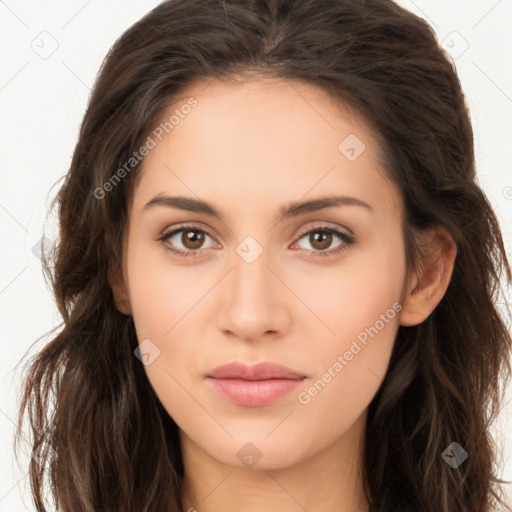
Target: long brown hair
[(87, 396)]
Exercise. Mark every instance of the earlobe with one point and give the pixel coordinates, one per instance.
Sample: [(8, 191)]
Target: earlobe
[(430, 284), (119, 291)]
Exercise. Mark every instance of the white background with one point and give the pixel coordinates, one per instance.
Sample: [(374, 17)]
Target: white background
[(42, 101)]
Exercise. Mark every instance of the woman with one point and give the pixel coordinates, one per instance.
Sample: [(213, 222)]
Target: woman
[(277, 273)]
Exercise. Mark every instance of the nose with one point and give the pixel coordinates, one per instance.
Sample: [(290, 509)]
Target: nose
[(255, 302)]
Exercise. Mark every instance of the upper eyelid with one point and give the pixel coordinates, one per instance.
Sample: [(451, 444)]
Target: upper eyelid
[(198, 227), (326, 226), (174, 231)]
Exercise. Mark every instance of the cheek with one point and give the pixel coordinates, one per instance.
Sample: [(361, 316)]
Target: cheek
[(161, 293), (363, 292), (363, 311), (164, 301), (350, 368)]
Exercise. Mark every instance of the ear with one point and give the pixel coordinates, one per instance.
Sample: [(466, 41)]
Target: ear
[(430, 283), (119, 291)]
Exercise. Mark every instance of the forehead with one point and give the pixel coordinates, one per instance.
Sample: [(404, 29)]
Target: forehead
[(268, 140)]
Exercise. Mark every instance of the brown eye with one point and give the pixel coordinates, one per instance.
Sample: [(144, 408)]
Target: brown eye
[(320, 240), (188, 240), (185, 241), (192, 239)]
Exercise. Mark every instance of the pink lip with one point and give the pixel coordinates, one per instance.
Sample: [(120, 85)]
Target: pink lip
[(255, 385)]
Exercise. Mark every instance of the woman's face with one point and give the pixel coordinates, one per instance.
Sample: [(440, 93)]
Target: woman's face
[(254, 286)]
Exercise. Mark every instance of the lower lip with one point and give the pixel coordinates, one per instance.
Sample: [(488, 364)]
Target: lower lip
[(254, 393)]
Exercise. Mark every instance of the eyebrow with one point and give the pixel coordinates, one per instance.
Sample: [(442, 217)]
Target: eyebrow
[(288, 210)]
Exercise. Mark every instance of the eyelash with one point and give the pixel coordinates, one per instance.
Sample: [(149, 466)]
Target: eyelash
[(345, 237)]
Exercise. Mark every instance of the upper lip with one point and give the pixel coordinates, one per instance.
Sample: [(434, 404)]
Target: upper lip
[(259, 371)]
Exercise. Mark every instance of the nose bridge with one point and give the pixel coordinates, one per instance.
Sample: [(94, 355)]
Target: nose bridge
[(251, 277), (253, 304)]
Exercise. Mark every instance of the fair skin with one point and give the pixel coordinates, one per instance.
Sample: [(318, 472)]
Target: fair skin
[(248, 149)]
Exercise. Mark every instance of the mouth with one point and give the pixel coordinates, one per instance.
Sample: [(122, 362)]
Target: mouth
[(254, 385)]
